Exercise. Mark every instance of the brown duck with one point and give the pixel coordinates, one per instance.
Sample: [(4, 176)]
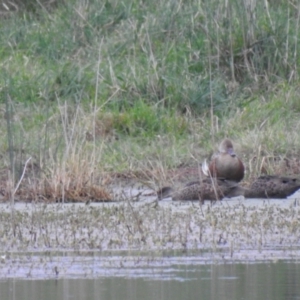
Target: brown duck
[(225, 164), (272, 186), (207, 189)]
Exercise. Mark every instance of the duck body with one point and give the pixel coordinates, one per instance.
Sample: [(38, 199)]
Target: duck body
[(207, 189), (272, 186), (225, 164), (267, 186)]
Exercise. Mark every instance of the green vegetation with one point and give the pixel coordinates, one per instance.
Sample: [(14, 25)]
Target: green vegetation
[(135, 85)]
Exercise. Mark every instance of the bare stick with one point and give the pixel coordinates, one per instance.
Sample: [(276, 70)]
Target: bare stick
[(27, 161)]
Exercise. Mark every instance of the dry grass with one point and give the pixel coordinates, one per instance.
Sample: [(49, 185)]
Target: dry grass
[(144, 91), (79, 157)]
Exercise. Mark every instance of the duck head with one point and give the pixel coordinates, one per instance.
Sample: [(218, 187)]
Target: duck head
[(226, 147)]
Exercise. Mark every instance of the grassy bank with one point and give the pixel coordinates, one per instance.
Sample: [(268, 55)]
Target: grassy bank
[(91, 89)]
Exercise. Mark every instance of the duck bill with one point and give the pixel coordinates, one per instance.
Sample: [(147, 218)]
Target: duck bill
[(231, 152)]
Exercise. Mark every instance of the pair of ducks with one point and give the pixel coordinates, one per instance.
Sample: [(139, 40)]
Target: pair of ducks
[(223, 174)]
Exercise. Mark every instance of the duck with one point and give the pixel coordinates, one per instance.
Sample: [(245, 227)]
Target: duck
[(225, 163), (272, 186), (206, 189)]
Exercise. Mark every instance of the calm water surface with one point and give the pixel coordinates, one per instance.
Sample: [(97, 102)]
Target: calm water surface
[(267, 273), (166, 278)]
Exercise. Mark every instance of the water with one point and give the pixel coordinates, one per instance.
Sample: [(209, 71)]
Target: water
[(251, 252), (135, 277)]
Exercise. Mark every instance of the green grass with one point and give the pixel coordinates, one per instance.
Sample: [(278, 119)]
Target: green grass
[(131, 85), (175, 54)]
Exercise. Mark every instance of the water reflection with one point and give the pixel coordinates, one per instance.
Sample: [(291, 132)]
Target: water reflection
[(271, 280)]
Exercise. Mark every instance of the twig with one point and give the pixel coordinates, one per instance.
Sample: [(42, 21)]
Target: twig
[(27, 161)]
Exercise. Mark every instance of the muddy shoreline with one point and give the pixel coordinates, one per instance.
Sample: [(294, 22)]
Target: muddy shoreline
[(78, 240), (148, 224)]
